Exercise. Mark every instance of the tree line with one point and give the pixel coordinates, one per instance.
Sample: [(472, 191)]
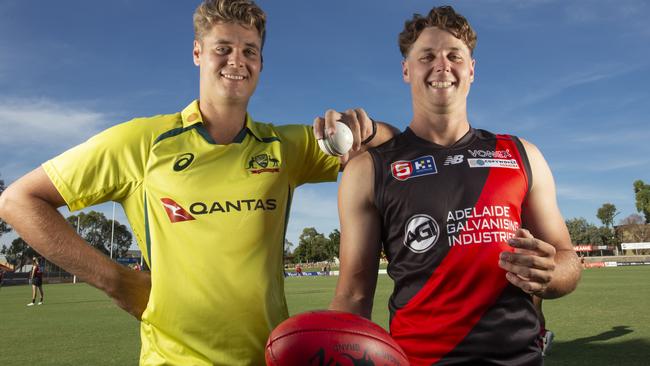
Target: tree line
[(313, 246)]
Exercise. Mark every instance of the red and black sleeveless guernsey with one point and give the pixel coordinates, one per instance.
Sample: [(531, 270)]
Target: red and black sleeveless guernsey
[(446, 214)]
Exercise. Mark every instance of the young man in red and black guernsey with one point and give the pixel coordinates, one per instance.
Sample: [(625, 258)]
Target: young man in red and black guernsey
[(468, 219)]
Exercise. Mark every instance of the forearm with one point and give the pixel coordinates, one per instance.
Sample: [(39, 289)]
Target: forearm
[(566, 275), (352, 304), (384, 133), (45, 230)]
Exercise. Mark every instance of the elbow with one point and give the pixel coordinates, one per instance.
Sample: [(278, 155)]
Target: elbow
[(7, 201)]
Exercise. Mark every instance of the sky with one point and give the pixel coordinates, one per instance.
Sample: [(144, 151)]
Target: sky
[(569, 76)]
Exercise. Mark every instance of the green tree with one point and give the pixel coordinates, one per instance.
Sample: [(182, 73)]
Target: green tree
[(287, 247), (95, 228), (312, 246), (18, 253), (4, 227), (606, 214), (642, 193), (582, 232), (334, 243)]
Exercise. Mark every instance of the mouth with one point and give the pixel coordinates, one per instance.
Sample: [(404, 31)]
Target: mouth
[(436, 84), (234, 77)]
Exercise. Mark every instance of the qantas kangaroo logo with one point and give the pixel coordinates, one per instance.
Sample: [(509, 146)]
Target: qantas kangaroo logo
[(175, 212)]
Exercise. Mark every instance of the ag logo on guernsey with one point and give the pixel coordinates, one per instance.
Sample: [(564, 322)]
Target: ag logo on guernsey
[(175, 212), (421, 233), (404, 169)]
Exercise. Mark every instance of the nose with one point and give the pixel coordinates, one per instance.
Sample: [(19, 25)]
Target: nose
[(442, 64), (235, 59)]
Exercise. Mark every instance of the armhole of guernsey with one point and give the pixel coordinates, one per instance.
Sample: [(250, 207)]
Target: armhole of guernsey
[(379, 179), (524, 160)]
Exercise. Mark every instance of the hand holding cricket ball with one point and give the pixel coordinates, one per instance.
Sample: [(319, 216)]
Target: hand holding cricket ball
[(338, 143), (340, 132)]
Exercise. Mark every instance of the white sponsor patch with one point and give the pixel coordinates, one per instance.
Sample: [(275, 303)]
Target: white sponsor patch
[(421, 233), (493, 163)]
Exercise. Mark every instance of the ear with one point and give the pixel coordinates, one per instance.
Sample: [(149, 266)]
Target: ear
[(196, 53), (405, 72), (471, 74)]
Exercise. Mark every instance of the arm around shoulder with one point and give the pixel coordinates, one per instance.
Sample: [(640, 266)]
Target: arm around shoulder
[(542, 217), (360, 239)]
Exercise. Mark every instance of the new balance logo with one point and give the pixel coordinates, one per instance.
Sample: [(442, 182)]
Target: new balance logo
[(175, 212), (454, 159)]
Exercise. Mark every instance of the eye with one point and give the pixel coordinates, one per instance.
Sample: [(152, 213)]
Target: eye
[(222, 50), (426, 58), (251, 52), (455, 57)]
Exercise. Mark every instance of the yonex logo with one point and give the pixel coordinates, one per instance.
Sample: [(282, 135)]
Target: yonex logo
[(421, 233), (183, 162), (403, 169), (175, 212), (454, 159)]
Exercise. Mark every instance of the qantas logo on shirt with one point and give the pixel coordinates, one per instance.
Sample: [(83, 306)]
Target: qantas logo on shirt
[(175, 212), (404, 169), (263, 163), (421, 233)]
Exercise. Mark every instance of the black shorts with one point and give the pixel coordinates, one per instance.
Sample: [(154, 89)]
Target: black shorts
[(37, 281)]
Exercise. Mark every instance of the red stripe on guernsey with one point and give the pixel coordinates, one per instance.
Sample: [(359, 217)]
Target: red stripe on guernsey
[(465, 284)]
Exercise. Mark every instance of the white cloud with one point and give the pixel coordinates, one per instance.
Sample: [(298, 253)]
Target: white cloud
[(587, 193), (45, 122), (573, 79), (36, 130)]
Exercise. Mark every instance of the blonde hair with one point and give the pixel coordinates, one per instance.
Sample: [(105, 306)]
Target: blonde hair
[(244, 12), (443, 17)]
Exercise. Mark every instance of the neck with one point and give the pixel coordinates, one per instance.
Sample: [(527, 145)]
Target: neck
[(223, 121), (440, 127)]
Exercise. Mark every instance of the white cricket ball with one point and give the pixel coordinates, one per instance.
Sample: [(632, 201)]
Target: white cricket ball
[(339, 143)]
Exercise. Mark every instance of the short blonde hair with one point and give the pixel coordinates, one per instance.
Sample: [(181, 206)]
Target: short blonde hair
[(443, 17), (244, 12)]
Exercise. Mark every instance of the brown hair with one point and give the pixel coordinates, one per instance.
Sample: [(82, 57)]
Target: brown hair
[(244, 12), (443, 17)]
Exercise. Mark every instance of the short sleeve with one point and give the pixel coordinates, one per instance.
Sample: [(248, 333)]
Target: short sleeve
[(107, 167), (305, 160)]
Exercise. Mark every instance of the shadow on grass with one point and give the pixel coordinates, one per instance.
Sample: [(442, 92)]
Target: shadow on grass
[(601, 349)]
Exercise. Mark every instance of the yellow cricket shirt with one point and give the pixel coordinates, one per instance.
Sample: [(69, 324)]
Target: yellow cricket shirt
[(210, 220)]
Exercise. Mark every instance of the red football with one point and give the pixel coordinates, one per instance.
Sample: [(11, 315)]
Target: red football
[(327, 337)]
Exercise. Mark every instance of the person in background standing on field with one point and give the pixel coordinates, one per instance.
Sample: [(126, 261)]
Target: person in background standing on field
[(36, 278)]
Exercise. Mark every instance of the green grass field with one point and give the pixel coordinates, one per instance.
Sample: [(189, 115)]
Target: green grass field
[(605, 322)]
